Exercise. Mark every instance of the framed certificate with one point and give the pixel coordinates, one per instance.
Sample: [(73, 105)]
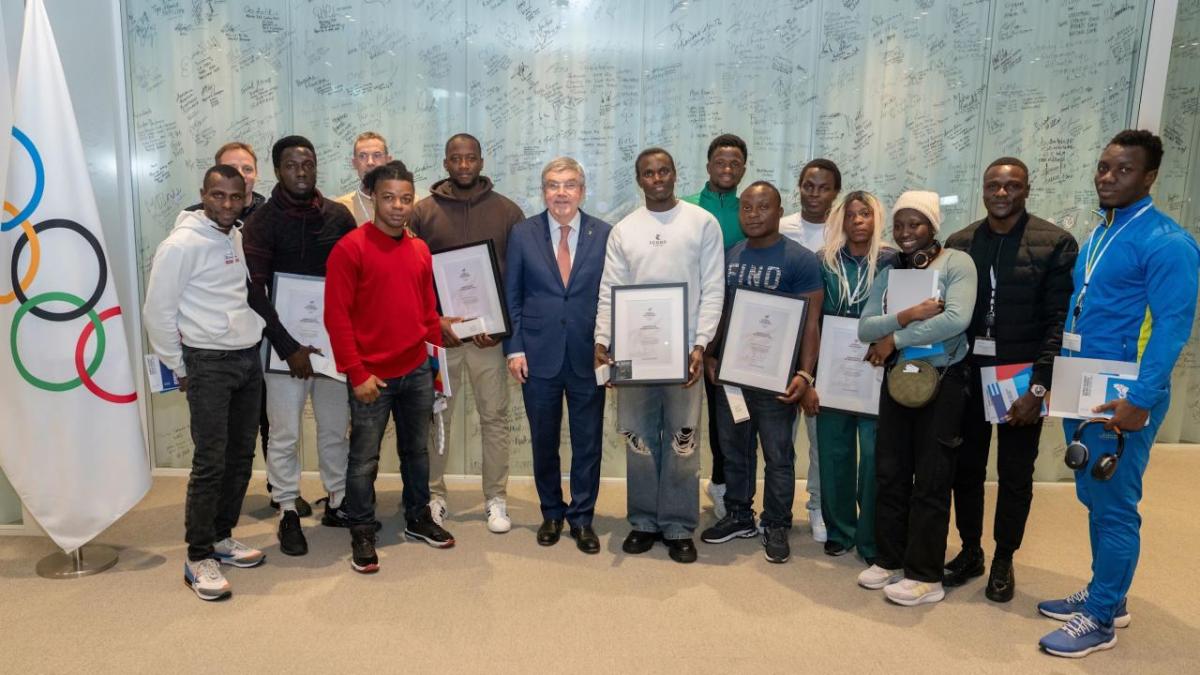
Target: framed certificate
[(467, 280), (845, 382), (299, 301), (649, 334), (762, 340)]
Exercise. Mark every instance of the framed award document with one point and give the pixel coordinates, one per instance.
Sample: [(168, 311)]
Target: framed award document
[(649, 334), (762, 340), (845, 382), (467, 280), (299, 301)]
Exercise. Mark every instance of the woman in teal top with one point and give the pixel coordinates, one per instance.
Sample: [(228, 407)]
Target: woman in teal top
[(915, 448), (854, 253)]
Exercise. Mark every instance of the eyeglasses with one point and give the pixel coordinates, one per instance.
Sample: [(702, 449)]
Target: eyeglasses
[(569, 186)]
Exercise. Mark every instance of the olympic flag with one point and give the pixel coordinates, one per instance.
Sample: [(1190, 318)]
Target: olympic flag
[(70, 437)]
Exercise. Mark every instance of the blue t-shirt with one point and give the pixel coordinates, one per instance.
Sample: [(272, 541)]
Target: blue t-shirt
[(784, 266)]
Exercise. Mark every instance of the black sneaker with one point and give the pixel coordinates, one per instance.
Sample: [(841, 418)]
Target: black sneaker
[(1001, 583), (291, 535), (775, 544), (729, 528), (337, 517), (303, 508), (423, 528), (965, 566), (362, 549), (832, 548), (681, 550)]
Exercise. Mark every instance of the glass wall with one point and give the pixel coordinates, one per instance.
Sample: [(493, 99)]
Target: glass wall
[(1178, 193), (901, 93)]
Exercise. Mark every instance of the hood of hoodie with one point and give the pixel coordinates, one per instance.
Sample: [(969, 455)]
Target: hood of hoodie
[(196, 221), (446, 189)]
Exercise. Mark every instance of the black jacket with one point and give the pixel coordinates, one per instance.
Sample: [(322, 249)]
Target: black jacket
[(1033, 264)]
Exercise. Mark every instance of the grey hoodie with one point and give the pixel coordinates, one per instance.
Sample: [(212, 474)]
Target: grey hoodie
[(197, 292)]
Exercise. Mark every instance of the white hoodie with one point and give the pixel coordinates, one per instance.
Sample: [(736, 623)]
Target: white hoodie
[(197, 292)]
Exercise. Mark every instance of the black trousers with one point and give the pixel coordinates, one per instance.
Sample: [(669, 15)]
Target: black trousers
[(224, 393), (915, 454), (1016, 448), (711, 393)]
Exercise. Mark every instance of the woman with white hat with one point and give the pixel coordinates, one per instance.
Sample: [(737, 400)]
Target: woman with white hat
[(921, 405)]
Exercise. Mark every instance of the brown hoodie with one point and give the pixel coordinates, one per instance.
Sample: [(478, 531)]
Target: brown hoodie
[(453, 217)]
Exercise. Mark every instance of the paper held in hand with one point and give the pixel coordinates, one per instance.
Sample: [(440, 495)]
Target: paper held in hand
[(469, 328), (845, 382), (1002, 386), (1096, 389)]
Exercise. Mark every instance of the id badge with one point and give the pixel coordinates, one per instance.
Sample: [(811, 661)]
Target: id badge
[(985, 347), (1072, 341)]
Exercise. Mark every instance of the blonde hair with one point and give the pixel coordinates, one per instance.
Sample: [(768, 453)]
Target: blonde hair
[(835, 238), (369, 136), (565, 164)]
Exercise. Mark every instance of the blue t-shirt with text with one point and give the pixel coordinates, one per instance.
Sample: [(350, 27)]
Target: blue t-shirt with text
[(784, 266)]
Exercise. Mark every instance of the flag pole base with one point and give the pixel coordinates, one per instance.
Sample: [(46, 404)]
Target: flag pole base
[(85, 561)]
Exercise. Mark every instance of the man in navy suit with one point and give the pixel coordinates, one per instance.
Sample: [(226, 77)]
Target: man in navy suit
[(552, 281)]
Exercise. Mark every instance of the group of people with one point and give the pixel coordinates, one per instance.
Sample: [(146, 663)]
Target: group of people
[(1011, 288)]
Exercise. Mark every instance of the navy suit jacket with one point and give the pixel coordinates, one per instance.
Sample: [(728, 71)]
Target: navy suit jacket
[(551, 323)]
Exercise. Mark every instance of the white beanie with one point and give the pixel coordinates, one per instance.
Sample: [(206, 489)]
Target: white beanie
[(923, 202)]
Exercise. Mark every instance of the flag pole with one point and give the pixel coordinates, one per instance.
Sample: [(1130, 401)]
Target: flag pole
[(82, 562)]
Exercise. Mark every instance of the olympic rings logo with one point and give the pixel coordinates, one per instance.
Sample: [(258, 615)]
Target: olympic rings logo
[(21, 283)]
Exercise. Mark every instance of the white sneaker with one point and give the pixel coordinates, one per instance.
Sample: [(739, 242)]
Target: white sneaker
[(437, 510), (205, 579), (817, 523), (497, 515), (230, 551), (876, 577), (909, 592), (716, 492)]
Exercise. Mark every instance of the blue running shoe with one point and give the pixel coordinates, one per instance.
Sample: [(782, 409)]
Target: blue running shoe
[(1071, 605), (1079, 637)]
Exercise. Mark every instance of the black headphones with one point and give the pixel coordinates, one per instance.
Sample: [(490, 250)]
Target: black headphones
[(1077, 453), (921, 259)]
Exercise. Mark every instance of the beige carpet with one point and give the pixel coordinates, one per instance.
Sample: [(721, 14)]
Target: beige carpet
[(500, 603)]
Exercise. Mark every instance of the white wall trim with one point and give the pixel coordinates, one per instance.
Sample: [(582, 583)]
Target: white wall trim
[(1158, 57)]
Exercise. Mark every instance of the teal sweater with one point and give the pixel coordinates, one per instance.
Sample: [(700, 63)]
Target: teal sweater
[(724, 206), (956, 281)]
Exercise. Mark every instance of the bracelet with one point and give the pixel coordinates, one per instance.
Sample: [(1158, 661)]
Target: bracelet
[(807, 377)]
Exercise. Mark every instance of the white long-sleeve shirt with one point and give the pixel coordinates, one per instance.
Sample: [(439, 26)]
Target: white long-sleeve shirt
[(197, 292), (683, 244)]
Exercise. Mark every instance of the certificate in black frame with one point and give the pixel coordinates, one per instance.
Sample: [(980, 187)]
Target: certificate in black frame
[(497, 290), (726, 375), (623, 370)]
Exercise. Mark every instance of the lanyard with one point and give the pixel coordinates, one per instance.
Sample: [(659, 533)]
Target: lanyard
[(1095, 253), (860, 290), (990, 320)]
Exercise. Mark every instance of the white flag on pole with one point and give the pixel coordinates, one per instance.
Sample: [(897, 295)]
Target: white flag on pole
[(5, 107), (72, 441)]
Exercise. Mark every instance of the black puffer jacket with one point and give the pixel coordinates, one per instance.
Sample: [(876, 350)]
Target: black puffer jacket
[(1033, 266)]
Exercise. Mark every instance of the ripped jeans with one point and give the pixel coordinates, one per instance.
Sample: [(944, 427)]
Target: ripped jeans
[(662, 464)]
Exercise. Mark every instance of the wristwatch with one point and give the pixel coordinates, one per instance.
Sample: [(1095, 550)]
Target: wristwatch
[(1037, 390)]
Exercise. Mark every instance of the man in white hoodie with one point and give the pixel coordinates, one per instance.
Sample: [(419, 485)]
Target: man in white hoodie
[(201, 326), (665, 241)]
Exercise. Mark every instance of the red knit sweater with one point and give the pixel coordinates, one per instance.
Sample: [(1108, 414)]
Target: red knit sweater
[(380, 306)]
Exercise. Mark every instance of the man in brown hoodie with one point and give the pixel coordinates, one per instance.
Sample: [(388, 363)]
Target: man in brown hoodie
[(463, 209)]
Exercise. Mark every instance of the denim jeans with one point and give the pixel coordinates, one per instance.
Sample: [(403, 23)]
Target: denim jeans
[(771, 424), (224, 395), (408, 399), (661, 462)]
